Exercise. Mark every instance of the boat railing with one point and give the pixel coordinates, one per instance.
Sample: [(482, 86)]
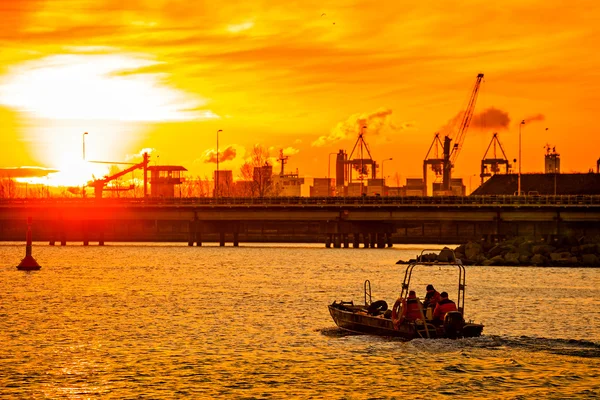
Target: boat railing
[(448, 260), (368, 298)]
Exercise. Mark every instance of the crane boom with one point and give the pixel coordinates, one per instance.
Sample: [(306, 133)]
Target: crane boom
[(466, 121), (99, 184)]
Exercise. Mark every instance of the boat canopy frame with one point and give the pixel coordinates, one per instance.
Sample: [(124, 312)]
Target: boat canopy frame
[(460, 299)]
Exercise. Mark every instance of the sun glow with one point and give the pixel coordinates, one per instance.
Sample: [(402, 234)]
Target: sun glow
[(86, 86), (110, 96)]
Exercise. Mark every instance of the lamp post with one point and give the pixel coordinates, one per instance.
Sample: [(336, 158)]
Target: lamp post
[(329, 170), (382, 163), (519, 179), (83, 140), (470, 177), (362, 132), (217, 177)]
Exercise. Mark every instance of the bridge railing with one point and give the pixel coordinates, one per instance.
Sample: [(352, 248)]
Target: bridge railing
[(538, 200)]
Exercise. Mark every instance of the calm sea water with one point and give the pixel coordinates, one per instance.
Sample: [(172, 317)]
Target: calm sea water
[(169, 321)]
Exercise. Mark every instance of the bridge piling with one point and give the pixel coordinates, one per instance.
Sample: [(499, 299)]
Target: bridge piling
[(222, 239), (336, 241), (85, 229), (236, 241), (356, 240), (380, 240), (191, 232)]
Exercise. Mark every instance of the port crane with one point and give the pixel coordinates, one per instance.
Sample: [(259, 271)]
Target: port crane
[(362, 165), (443, 166), (99, 185), (494, 163)]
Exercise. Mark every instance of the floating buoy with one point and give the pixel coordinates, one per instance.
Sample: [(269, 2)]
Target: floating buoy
[(28, 263)]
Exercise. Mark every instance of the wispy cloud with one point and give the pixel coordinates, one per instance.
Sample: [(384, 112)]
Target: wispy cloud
[(210, 156), (368, 123), (534, 118)]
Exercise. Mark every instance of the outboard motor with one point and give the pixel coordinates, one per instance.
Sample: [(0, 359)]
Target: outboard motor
[(377, 307), (453, 324)]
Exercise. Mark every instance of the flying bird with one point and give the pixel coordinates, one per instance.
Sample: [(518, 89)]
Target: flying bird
[(322, 15)]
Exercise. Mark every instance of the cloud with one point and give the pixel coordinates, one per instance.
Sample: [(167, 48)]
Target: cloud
[(236, 28), (375, 123), (210, 156), (492, 118), (26, 172), (534, 118), (140, 154), (290, 151)]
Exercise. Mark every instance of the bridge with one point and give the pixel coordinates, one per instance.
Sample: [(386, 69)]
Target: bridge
[(334, 221)]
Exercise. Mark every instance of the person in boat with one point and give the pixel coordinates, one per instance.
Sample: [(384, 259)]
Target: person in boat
[(445, 305), (431, 298), (411, 309)]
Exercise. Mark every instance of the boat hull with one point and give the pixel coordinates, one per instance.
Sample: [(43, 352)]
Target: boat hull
[(360, 322)]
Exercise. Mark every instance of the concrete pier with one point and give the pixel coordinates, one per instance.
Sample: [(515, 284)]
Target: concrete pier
[(377, 222)]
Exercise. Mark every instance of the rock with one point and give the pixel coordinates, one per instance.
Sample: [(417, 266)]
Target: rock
[(472, 250), (525, 249), (486, 246), (557, 256), (538, 259), (498, 260), (543, 249), (446, 255), (589, 259), (573, 261), (590, 248), (511, 258), (524, 260), (460, 249), (568, 241), (480, 259), (495, 251), (430, 257)]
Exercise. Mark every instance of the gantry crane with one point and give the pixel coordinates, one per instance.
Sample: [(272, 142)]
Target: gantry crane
[(444, 165), (362, 165), (495, 162)]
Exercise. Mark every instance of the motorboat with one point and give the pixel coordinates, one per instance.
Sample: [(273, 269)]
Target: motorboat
[(376, 318)]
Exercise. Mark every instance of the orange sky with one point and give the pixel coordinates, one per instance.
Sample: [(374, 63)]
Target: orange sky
[(167, 75)]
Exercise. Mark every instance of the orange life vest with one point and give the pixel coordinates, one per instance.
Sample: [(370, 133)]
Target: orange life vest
[(443, 307)]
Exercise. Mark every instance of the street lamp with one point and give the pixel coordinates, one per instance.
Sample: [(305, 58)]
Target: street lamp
[(382, 174), (217, 177), (362, 159), (471, 176), (83, 140), (329, 191), (519, 179)]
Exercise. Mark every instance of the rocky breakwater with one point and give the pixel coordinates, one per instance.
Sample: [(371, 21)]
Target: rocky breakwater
[(564, 252)]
